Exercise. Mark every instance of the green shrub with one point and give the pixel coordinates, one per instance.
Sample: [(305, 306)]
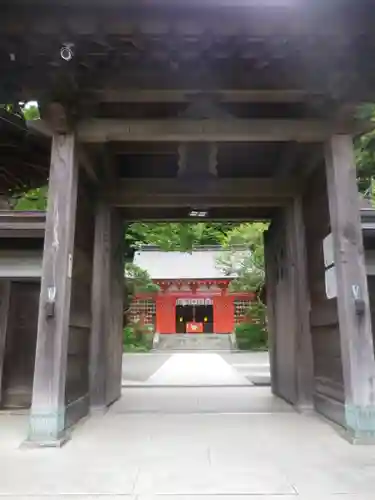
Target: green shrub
[(252, 333), (137, 338), (250, 336)]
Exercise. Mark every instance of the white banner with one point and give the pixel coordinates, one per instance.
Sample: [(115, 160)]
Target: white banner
[(194, 302)]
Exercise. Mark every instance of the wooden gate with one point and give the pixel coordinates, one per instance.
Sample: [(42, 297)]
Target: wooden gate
[(280, 310), (20, 345)]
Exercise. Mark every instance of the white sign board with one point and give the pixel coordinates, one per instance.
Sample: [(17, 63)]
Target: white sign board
[(331, 283), (329, 266), (328, 251)]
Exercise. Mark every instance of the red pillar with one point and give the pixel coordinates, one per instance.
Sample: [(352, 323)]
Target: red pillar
[(165, 314), (223, 314)]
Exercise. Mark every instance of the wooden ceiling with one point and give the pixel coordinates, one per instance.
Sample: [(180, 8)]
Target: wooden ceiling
[(155, 59), (315, 47)]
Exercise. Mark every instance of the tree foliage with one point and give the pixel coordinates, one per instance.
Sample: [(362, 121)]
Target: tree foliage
[(177, 236), (365, 152), (33, 200), (243, 256), (138, 281), (30, 112)]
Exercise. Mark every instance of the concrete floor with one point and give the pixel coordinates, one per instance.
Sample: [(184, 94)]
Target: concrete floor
[(196, 369), (179, 443)]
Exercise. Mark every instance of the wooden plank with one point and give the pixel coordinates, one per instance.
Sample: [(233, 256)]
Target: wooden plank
[(250, 187), (85, 161), (285, 311), (271, 278), (324, 313), (235, 130), (192, 201), (357, 349), (117, 95), (288, 160), (299, 293), (254, 18), (21, 344), (181, 214), (107, 309), (77, 377), (47, 419), (39, 127), (4, 311), (100, 299), (210, 193), (20, 264), (87, 164), (116, 312)]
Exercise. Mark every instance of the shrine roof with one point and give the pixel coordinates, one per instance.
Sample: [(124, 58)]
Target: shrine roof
[(202, 263)]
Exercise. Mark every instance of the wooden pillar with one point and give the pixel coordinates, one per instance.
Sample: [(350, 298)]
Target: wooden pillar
[(271, 278), (99, 308), (299, 295), (4, 311), (47, 419), (107, 308), (352, 293)]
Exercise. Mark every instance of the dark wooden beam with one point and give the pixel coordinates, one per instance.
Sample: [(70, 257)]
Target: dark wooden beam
[(357, 349), (113, 95), (299, 292), (143, 148), (271, 280), (21, 224), (181, 214), (236, 130), (212, 192), (254, 17), (5, 286), (100, 297), (108, 159), (288, 160), (107, 308), (86, 162), (42, 127), (39, 127)]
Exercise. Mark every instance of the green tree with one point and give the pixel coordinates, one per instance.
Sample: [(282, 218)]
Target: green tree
[(139, 280), (177, 236), (31, 112), (243, 256), (365, 152)]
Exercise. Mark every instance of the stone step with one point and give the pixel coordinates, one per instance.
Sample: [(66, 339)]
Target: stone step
[(194, 342)]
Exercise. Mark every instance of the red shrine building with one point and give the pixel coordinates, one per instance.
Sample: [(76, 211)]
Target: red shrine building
[(194, 294)]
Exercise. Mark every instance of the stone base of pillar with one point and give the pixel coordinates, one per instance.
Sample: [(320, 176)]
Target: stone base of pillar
[(47, 430), (364, 440), (360, 425), (304, 408), (53, 443), (98, 411)]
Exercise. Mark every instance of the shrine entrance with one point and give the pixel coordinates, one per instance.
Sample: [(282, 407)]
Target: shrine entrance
[(194, 316)]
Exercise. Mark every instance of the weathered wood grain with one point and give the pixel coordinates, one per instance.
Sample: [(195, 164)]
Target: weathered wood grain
[(107, 308), (300, 302), (47, 419), (357, 348), (233, 130)]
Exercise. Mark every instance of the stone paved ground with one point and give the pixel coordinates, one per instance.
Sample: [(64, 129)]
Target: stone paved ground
[(179, 443), (152, 369)]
